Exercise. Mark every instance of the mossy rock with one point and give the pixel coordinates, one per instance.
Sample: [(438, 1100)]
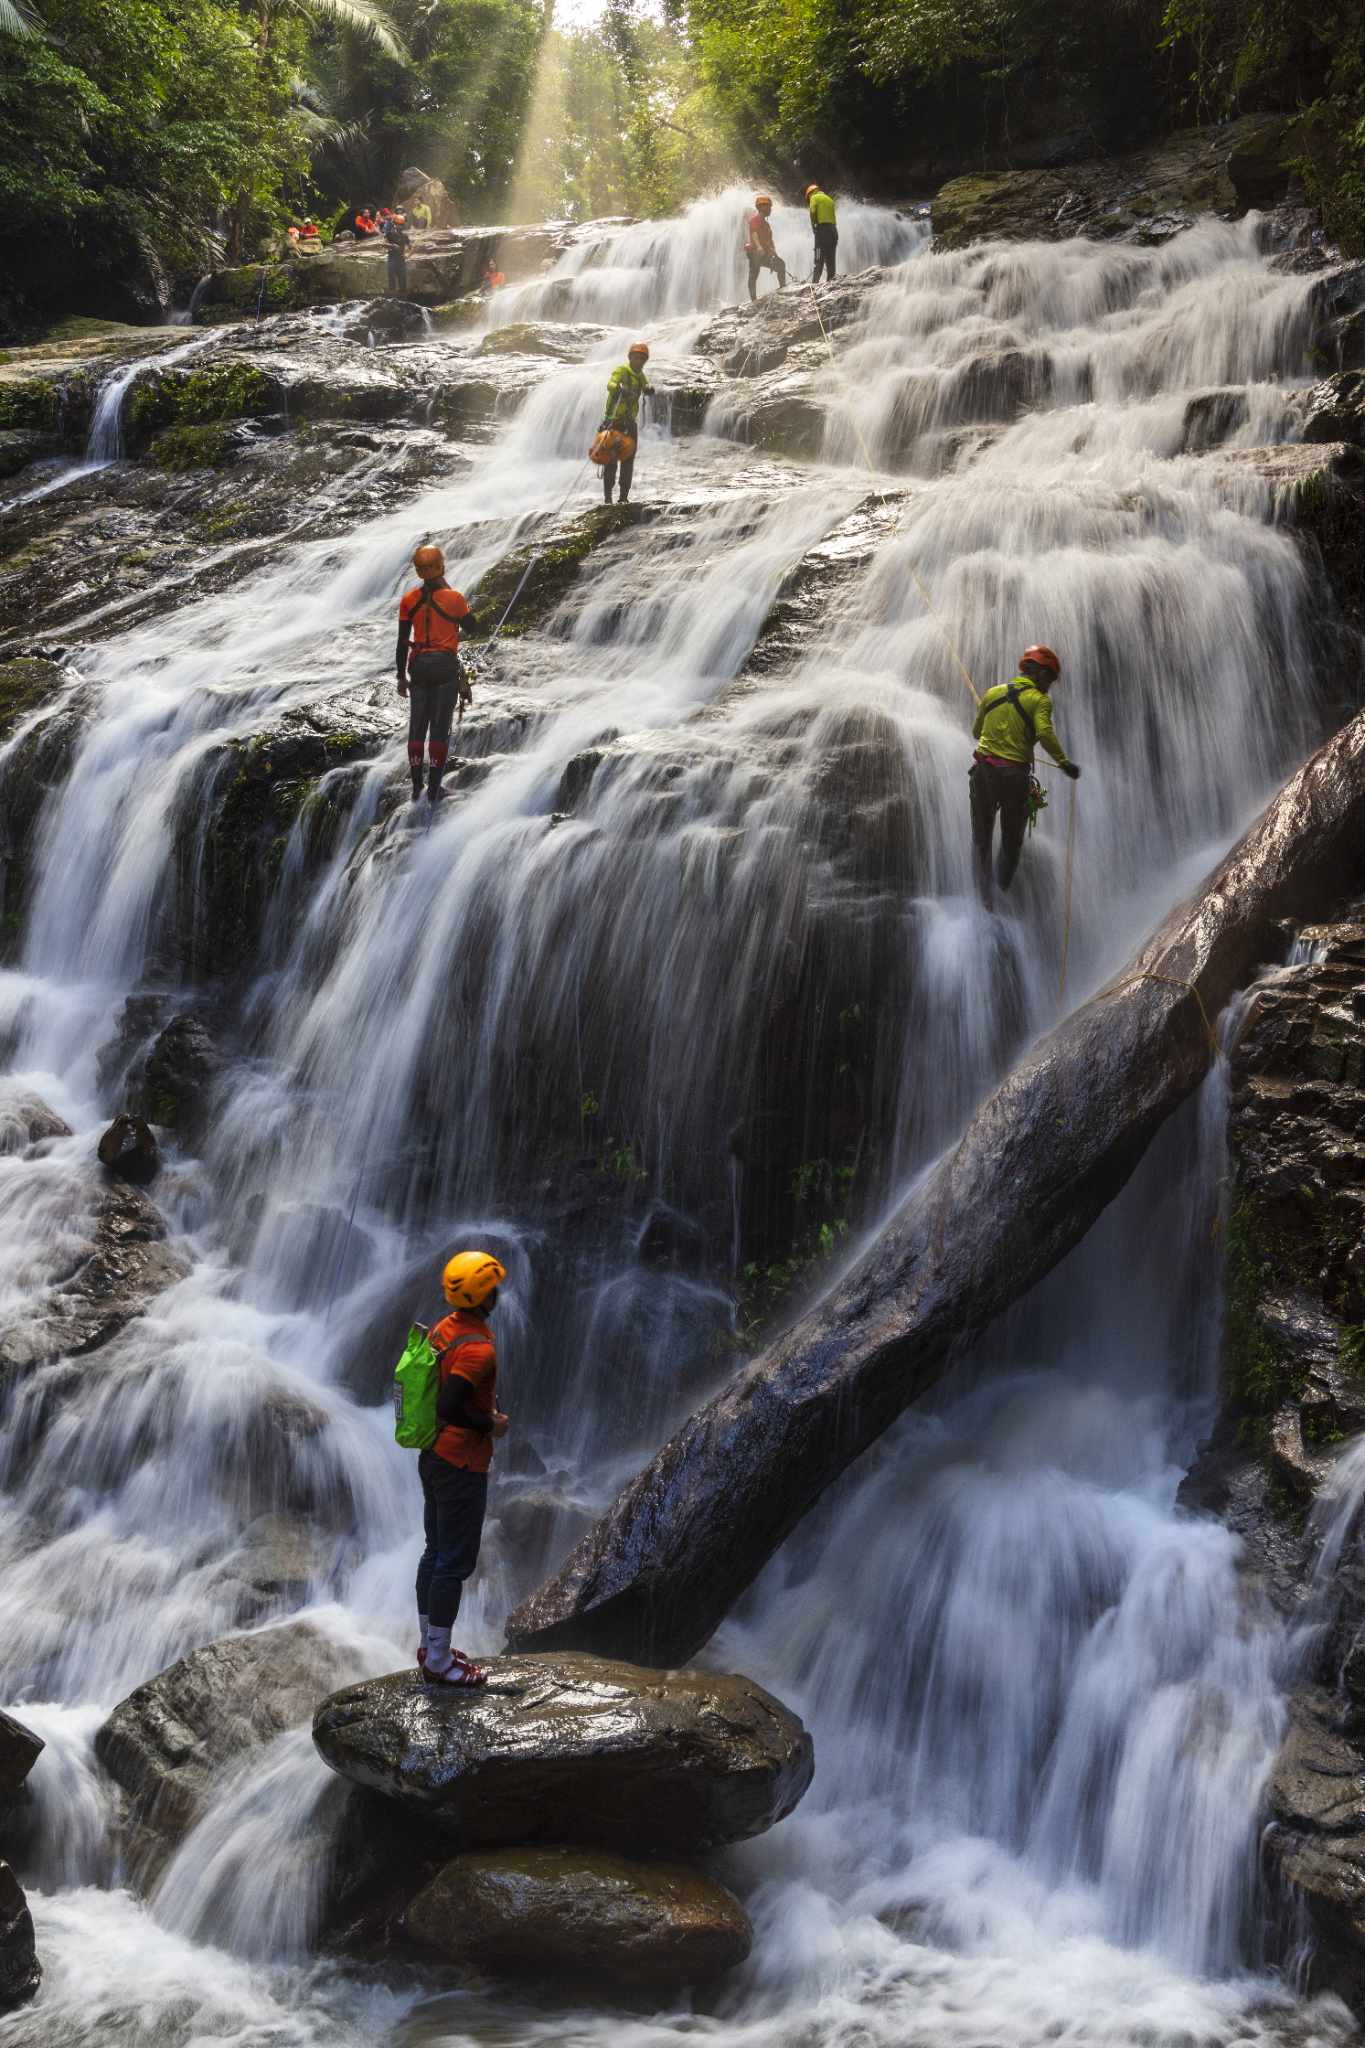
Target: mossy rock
[(25, 683), (458, 313), (218, 391), (31, 402), (555, 567), (184, 448)]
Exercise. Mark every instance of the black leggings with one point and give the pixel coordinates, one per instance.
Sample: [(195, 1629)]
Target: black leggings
[(1004, 791), (826, 247), (454, 1505), (609, 477), (431, 710)]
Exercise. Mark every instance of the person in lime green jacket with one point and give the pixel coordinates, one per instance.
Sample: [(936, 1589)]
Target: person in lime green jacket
[(626, 386), (1011, 720), (824, 222)]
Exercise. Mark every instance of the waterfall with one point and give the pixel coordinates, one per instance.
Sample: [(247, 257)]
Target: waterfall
[(568, 1012)]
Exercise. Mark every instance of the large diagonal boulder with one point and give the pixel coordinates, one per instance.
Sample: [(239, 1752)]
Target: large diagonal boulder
[(1039, 1161), (585, 1913), (574, 1748)]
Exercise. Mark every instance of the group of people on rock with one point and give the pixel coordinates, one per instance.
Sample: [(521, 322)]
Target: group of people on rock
[(760, 250), (372, 221)]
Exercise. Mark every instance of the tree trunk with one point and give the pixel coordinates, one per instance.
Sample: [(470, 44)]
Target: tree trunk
[(1036, 1165)]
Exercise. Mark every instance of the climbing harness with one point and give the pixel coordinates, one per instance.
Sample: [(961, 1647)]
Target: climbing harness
[(1037, 800)]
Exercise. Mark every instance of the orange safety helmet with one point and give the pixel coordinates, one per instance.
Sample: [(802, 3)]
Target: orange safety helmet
[(1044, 657), (638, 348), (809, 189), (762, 199), (470, 1277)]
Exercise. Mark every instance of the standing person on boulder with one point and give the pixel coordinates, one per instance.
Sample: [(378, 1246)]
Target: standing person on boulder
[(430, 673), (626, 386), (825, 225), (454, 1472), (396, 239), (759, 246), (421, 214), (1011, 719)]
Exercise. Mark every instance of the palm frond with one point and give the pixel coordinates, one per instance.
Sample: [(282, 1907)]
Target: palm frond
[(365, 17), (18, 19)]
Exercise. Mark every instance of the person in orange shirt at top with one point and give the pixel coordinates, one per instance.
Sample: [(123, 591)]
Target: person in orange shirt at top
[(430, 673), (454, 1472)]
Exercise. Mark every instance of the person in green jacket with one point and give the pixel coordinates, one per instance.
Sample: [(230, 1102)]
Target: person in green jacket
[(626, 386), (1011, 720), (824, 222)]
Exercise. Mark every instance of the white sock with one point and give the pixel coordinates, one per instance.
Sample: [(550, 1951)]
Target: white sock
[(425, 1626), (438, 1649)]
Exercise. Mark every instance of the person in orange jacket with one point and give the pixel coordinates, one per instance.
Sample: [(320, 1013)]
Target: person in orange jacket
[(454, 1472), (427, 657), (759, 246)]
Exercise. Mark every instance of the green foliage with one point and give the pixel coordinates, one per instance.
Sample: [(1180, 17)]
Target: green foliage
[(1240, 53), (182, 448)]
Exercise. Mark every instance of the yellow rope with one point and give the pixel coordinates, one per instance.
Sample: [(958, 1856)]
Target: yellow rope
[(1175, 981), (915, 578), (1066, 912)]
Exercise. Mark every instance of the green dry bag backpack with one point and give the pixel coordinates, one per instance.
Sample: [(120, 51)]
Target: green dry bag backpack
[(416, 1383)]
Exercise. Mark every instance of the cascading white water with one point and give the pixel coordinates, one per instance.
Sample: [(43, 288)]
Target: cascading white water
[(1042, 1719)]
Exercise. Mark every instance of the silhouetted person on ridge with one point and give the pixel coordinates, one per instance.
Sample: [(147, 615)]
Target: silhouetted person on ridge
[(1011, 719)]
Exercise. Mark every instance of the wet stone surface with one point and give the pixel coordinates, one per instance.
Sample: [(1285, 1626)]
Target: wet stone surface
[(566, 1746)]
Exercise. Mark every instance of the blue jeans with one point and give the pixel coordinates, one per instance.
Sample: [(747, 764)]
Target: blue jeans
[(455, 1502)]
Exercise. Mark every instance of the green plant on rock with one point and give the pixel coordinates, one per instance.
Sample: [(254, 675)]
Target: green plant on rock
[(185, 448)]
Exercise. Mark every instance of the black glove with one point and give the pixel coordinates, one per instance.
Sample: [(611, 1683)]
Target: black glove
[(1070, 768)]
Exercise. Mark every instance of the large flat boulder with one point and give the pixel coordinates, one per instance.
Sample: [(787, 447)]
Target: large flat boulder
[(558, 1912), (572, 1747), (167, 1742)]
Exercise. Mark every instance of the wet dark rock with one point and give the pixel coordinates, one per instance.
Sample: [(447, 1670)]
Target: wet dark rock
[(582, 1913), (1212, 418), (385, 320), (1336, 409), (20, 1749), (167, 1742), (27, 682), (178, 1077), (25, 1120), (129, 1151), (1317, 1845), (19, 446), (121, 1269), (575, 1746), (564, 342), (1351, 343), (20, 1970), (442, 263), (1037, 1163), (1146, 197), (279, 1561), (537, 1524)]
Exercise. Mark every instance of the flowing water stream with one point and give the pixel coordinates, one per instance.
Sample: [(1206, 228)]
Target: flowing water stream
[(1043, 1714)]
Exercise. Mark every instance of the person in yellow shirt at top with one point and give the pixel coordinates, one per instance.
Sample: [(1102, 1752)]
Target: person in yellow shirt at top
[(1011, 720), (824, 222)]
